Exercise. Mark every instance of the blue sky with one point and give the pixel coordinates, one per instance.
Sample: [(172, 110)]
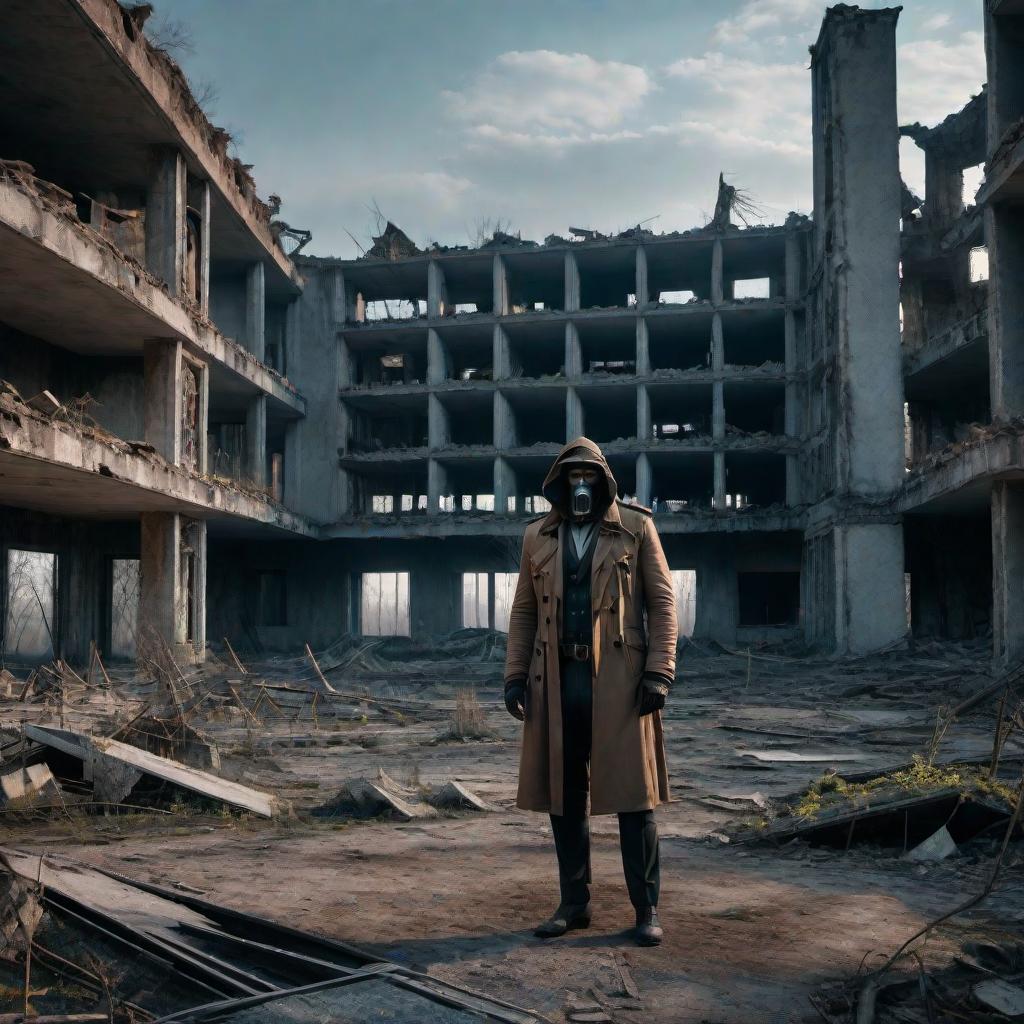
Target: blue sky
[(590, 113)]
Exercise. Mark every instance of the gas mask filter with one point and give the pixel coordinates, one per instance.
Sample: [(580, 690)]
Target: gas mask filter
[(582, 499)]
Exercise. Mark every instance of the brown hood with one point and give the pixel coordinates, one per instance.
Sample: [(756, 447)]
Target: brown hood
[(582, 450)]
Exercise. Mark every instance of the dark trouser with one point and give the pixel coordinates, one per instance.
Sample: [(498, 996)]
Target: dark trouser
[(638, 833)]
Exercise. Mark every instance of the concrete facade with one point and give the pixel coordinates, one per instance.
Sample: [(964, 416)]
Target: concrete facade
[(182, 394)]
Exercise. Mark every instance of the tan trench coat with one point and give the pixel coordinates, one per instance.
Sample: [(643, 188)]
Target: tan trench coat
[(629, 577)]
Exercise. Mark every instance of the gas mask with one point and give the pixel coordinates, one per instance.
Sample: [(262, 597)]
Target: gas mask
[(582, 500)]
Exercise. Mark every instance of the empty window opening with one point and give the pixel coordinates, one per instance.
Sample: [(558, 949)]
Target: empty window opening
[(476, 502), (677, 298), (755, 409), (979, 264), (487, 599), (680, 411), (769, 598), (504, 593), (382, 504), (465, 307), (31, 585), (755, 479), (608, 348), (752, 288), (394, 309), (125, 577), (537, 355), (378, 368), (681, 484), (537, 418), (384, 604), (754, 337), (680, 343), (474, 600), (272, 599), (536, 504), (610, 414), (684, 583), (973, 179)]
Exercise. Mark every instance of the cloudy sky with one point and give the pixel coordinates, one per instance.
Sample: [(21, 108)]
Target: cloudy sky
[(542, 114)]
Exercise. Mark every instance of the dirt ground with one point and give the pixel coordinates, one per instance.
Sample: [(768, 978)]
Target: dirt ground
[(751, 930)]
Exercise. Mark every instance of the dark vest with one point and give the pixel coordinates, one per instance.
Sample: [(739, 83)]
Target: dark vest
[(577, 625)]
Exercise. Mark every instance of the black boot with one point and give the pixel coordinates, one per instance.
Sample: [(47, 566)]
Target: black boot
[(566, 917), (648, 929)]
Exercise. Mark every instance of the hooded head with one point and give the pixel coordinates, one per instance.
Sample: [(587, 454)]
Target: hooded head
[(580, 454)]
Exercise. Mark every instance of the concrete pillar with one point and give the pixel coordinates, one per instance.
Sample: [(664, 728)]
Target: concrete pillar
[(166, 204), (172, 589), (204, 248), (437, 358), (644, 479), (437, 290), (1004, 232), (504, 423), (1007, 572), (293, 463), (255, 311), (162, 409), (346, 493), (574, 425), (256, 441), (943, 190), (573, 351), (642, 287), (342, 297), (202, 418), (437, 486), (719, 480), (643, 414), (572, 283), (718, 410), (500, 277), (793, 404), (643, 348), (438, 424), (502, 354), (794, 266), (717, 283), (717, 592), (346, 365), (871, 603), (504, 486), (292, 351), (717, 343)]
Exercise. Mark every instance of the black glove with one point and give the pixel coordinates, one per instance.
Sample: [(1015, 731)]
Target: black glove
[(515, 698), (651, 693)]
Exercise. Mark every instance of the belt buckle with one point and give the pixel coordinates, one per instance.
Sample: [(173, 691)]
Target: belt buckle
[(581, 652)]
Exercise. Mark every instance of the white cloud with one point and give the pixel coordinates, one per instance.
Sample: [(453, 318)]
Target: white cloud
[(745, 103), (489, 133), (938, 78), (570, 96), (756, 17), (936, 22)]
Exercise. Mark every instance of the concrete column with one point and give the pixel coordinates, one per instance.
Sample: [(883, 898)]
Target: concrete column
[(204, 248), (346, 493), (718, 410), (195, 611), (1004, 232), (871, 603), (719, 479), (717, 343), (643, 295), (1007, 572), (793, 404), (162, 409), (943, 190), (504, 486), (572, 283), (255, 311), (293, 463), (644, 479), (342, 298), (292, 352), (573, 351), (203, 419), (500, 276), (437, 290), (574, 425), (346, 365), (166, 204), (643, 348), (438, 424), (717, 591), (794, 265), (437, 486), (502, 354), (437, 358), (643, 414), (256, 441), (717, 283), (504, 423)]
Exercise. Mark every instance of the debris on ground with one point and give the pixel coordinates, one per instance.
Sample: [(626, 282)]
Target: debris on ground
[(384, 797)]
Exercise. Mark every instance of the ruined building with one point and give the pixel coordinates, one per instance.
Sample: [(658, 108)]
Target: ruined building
[(201, 436)]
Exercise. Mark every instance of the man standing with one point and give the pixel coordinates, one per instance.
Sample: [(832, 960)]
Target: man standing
[(589, 679)]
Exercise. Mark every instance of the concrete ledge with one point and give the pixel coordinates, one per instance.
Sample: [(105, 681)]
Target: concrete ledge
[(62, 281), (484, 525), (1004, 173), (57, 468), (958, 479), (942, 348)]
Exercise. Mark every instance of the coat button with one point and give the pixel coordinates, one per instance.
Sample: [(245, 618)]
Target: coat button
[(617, 643), (537, 678), (547, 621), (538, 650)]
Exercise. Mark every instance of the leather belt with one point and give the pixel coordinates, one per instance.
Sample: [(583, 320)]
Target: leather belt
[(576, 652)]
